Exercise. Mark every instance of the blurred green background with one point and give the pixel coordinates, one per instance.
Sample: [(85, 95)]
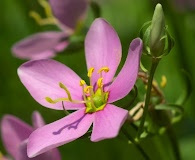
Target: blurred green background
[(127, 17)]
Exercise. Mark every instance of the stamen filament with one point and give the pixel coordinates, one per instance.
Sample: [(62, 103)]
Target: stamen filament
[(82, 83), (48, 99), (91, 97), (100, 85)]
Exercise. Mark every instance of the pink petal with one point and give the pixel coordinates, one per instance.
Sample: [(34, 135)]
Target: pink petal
[(50, 155), (37, 120), (59, 132), (102, 48), (40, 46), (42, 77), (108, 122), (126, 79), (69, 12), (14, 132)]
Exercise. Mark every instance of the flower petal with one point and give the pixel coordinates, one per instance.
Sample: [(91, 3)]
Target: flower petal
[(42, 77), (102, 48), (40, 46), (37, 120), (126, 79), (59, 132), (108, 122), (14, 132), (69, 12), (50, 155)]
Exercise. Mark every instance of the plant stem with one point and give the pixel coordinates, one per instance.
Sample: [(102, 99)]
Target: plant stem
[(174, 143), (148, 93), (146, 157)]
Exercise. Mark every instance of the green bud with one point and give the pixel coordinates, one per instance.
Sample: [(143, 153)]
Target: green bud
[(157, 42)]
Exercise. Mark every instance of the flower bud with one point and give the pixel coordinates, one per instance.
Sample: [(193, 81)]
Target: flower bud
[(156, 38), (157, 42)]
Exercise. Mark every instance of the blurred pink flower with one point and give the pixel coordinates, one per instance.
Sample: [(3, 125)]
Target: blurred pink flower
[(48, 81), (69, 13), (15, 135)]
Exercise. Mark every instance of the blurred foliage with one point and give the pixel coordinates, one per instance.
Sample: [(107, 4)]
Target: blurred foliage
[(127, 17)]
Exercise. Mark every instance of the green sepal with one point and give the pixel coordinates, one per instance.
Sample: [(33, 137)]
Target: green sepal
[(177, 111)]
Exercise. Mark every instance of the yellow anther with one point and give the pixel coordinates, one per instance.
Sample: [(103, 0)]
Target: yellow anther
[(163, 81), (89, 74), (105, 69), (100, 83), (66, 90), (82, 82), (49, 100), (87, 89)]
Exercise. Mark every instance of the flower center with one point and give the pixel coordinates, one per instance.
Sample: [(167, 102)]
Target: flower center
[(95, 99)]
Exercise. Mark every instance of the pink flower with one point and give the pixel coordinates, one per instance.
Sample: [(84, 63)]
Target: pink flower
[(54, 85), (69, 13), (15, 135)]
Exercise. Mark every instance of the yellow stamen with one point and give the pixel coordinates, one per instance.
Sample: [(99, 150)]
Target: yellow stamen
[(163, 81), (48, 99), (82, 82), (46, 7), (66, 90), (91, 97), (50, 19), (89, 74), (86, 90), (42, 21), (105, 69), (100, 82)]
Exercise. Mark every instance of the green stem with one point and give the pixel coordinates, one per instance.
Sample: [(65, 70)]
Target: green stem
[(146, 157), (174, 143), (148, 94)]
